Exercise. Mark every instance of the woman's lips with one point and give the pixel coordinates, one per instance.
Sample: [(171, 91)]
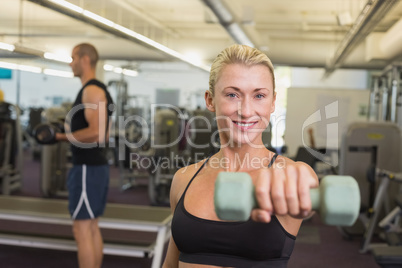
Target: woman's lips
[(244, 125)]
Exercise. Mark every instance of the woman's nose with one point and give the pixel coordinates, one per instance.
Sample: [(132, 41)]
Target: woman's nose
[(244, 108)]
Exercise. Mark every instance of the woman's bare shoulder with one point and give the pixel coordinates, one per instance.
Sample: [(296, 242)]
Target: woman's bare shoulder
[(188, 171), (181, 179)]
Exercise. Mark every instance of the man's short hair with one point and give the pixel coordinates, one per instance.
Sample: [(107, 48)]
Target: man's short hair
[(88, 50)]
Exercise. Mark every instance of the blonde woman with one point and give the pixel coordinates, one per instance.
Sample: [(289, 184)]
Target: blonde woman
[(242, 95)]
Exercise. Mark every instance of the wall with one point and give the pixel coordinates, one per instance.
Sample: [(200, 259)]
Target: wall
[(191, 82), (324, 106), (38, 89), (340, 79)]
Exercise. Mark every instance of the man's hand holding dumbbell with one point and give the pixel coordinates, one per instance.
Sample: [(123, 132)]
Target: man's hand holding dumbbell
[(48, 133)]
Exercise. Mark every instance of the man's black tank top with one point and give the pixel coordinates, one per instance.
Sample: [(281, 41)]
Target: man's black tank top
[(94, 155), (230, 244)]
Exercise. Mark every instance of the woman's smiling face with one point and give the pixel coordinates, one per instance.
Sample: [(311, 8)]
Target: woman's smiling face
[(243, 101)]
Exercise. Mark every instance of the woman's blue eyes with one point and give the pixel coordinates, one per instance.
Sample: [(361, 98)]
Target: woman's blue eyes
[(259, 96), (233, 95)]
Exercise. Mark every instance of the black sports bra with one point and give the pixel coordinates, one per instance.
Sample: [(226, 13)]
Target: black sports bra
[(234, 244)]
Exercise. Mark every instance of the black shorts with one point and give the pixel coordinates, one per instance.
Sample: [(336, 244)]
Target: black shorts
[(87, 191)]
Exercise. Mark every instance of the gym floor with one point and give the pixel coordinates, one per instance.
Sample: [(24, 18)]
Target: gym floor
[(317, 245)]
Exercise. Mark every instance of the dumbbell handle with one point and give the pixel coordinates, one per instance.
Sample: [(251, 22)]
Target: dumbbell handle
[(337, 199), (314, 196)]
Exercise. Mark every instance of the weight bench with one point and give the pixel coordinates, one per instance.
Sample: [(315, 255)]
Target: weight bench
[(155, 220)]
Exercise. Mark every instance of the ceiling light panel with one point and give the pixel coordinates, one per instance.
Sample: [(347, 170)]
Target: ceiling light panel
[(107, 25)]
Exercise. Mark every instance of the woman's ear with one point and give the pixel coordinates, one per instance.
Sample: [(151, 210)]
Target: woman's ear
[(209, 101)]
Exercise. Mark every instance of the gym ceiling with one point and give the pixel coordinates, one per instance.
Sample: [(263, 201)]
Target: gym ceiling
[(311, 33)]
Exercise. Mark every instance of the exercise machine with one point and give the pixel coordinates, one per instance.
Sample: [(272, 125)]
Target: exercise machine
[(386, 95), (152, 143), (165, 137), (364, 145), (201, 128), (55, 158), (35, 118), (389, 254), (390, 222), (11, 153), (129, 127)]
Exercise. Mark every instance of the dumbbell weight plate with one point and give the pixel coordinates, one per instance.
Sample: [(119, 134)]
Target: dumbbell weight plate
[(45, 134)]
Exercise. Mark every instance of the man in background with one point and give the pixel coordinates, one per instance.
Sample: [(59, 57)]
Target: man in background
[(87, 129)]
